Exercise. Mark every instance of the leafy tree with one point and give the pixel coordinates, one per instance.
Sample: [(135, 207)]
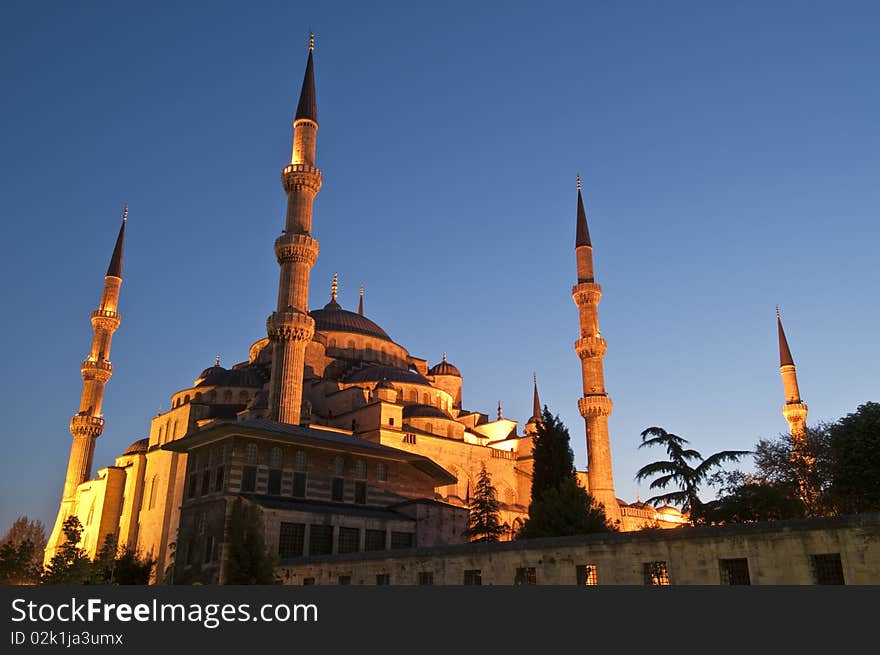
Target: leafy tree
[(70, 564), (559, 505), (249, 560), (854, 461), (747, 499), (484, 523), (564, 510), (678, 470), (21, 552), (120, 566), (552, 453)]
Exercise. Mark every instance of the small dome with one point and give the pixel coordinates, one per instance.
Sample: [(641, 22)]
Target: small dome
[(213, 376), (444, 368), (423, 411), (138, 447)]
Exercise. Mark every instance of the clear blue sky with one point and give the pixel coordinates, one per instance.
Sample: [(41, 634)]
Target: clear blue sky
[(729, 156)]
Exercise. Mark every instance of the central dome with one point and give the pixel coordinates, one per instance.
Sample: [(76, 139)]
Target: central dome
[(332, 318)]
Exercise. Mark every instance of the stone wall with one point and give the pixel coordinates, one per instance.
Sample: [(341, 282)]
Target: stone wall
[(780, 552)]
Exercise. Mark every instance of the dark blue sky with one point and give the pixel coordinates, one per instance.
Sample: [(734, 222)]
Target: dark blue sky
[(729, 156)]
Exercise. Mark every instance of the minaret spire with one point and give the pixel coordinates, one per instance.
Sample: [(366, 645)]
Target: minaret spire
[(536, 402), (290, 327), (361, 302), (795, 413), (88, 423), (595, 405)]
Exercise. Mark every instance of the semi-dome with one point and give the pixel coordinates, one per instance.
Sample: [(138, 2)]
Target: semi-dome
[(332, 318), (217, 376), (423, 411), (377, 373), (138, 447), (444, 368)]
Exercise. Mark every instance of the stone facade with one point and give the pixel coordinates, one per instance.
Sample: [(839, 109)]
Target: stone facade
[(843, 550)]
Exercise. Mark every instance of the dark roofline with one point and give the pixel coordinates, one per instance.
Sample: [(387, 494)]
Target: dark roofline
[(323, 439)]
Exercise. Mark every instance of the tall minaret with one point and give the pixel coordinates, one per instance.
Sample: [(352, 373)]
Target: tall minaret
[(87, 424), (290, 327), (595, 405), (531, 427), (794, 410)]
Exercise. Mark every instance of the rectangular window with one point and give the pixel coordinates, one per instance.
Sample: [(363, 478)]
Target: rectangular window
[(291, 539), (218, 479), (345, 579), (248, 479), (320, 539), (360, 492), (401, 540), (299, 485), (382, 470), (827, 568), (337, 493), (586, 575), (349, 540), (308, 581), (473, 577), (274, 488), (383, 578), (526, 575), (374, 540), (656, 574), (191, 492), (190, 552), (426, 578), (734, 571), (206, 482)]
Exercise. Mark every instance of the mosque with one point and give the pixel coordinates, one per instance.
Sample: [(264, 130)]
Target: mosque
[(345, 440)]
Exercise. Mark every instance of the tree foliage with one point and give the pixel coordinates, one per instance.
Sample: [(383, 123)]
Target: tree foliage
[(686, 469), (21, 552), (484, 523), (249, 560), (559, 505), (70, 564)]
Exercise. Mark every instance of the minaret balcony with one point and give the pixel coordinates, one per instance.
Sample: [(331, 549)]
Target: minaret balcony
[(593, 406), (290, 325), (85, 425), (297, 248), (96, 370), (301, 176), (586, 293), (103, 319), (588, 347), (795, 412)]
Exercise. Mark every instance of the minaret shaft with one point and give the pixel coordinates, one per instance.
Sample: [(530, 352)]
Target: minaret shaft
[(290, 328), (595, 405)]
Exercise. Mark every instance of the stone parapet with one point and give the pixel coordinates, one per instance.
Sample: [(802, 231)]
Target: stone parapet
[(587, 347), (297, 248), (303, 176), (84, 425), (100, 370), (586, 293), (591, 406), (290, 325), (103, 319)]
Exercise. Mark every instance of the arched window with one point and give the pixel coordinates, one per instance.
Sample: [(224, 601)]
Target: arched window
[(390, 420), (161, 434), (414, 396), (429, 427), (173, 432), (186, 398), (299, 460), (425, 400), (153, 484), (243, 397), (250, 454), (382, 471), (339, 465), (332, 343), (275, 458), (351, 344)]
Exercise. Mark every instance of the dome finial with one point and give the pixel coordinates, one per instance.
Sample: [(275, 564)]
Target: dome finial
[(125, 212), (361, 301), (311, 41), (334, 287), (499, 410), (444, 356), (217, 360)]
